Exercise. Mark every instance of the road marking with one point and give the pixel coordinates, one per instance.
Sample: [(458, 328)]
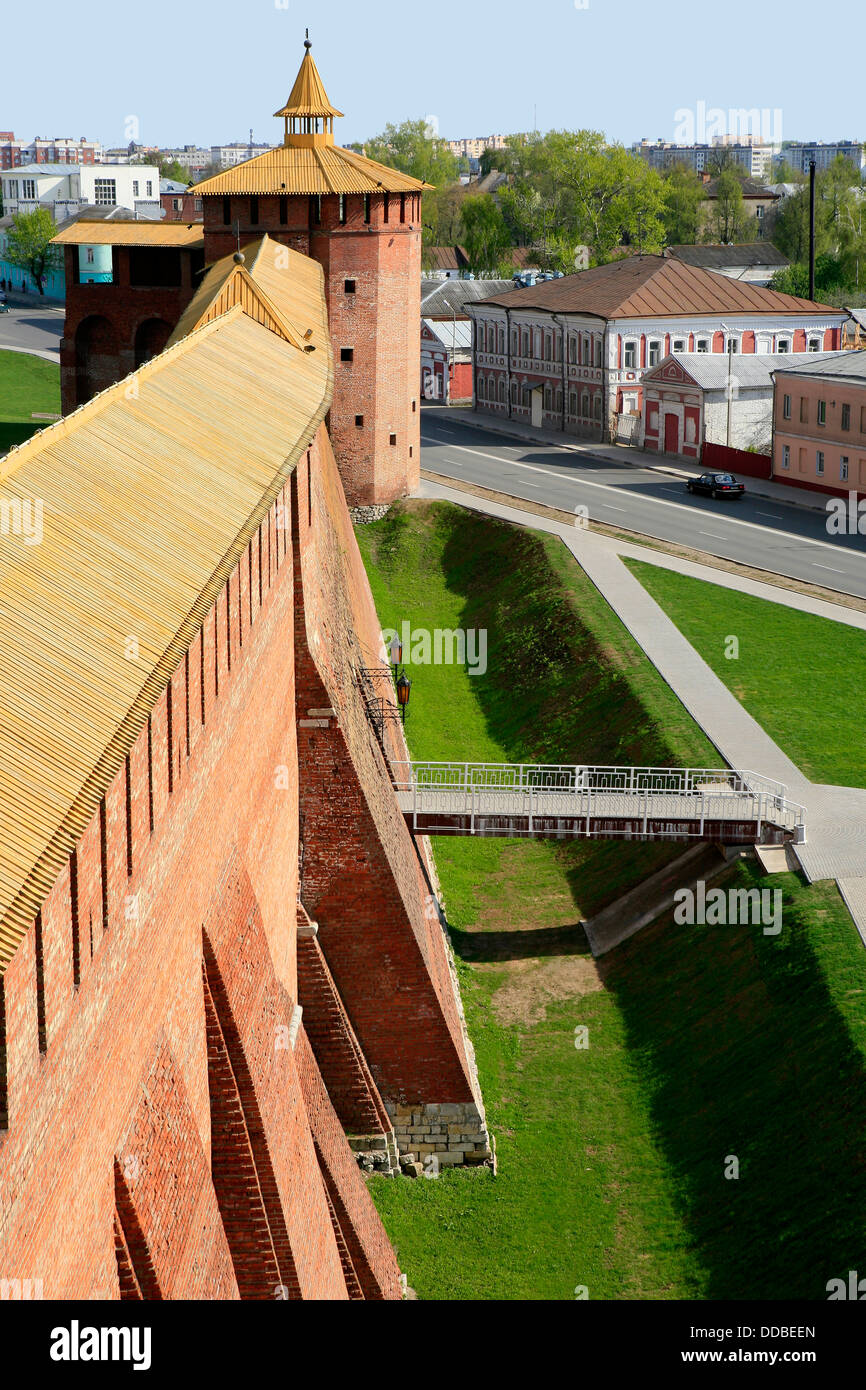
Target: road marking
[(774, 516), (827, 568), (713, 535), (654, 501), (535, 485), (609, 508)]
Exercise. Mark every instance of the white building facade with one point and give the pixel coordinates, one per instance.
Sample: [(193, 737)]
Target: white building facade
[(65, 188)]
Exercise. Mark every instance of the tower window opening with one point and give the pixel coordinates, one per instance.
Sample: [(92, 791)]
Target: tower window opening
[(367, 208), (227, 212), (284, 211)]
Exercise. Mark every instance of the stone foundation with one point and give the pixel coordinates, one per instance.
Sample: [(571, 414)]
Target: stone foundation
[(365, 516), (455, 1133), (376, 1153)]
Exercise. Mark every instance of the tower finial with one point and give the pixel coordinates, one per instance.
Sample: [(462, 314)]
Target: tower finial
[(307, 44)]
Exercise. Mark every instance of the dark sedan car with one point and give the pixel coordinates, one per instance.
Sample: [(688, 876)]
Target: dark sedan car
[(716, 485)]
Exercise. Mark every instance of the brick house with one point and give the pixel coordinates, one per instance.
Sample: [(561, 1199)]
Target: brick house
[(570, 354), (691, 399), (127, 284), (819, 417)]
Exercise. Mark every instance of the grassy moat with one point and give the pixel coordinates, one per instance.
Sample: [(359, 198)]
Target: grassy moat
[(704, 1042)]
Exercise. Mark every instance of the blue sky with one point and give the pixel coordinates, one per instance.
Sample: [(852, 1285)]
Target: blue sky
[(206, 73)]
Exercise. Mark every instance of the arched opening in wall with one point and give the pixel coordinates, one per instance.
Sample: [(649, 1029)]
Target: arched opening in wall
[(97, 362), (243, 1176), (135, 1271), (150, 340)]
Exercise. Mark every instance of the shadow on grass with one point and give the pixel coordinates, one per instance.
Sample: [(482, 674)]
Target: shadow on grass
[(520, 945), (747, 1056)]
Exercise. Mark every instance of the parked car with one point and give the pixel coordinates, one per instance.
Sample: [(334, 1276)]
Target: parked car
[(716, 485)]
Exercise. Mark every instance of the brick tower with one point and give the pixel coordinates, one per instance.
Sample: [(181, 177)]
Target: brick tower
[(362, 222)]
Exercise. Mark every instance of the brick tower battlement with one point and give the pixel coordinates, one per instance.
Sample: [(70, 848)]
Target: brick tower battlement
[(362, 222)]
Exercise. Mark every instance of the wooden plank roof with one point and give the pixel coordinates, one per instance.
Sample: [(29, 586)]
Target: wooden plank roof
[(149, 497), (308, 96), (86, 232), (322, 170)]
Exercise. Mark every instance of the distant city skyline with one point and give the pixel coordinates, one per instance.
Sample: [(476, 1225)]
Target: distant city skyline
[(205, 74)]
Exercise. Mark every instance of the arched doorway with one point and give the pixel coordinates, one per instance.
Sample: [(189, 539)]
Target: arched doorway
[(97, 363), (150, 339)]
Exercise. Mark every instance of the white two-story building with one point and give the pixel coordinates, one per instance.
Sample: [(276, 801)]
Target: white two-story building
[(570, 354), (67, 188)]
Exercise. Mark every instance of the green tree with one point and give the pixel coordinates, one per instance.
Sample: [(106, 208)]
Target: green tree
[(173, 169), (28, 245), (570, 188), (728, 218), (683, 196), (414, 149), (443, 222), (485, 234)]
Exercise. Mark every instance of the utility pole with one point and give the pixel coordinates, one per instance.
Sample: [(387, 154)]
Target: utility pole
[(812, 174)]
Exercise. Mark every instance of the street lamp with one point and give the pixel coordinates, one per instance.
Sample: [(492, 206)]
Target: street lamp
[(396, 654), (404, 690), (730, 377)]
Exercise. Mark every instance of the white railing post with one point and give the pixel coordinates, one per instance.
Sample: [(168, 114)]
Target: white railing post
[(760, 817)]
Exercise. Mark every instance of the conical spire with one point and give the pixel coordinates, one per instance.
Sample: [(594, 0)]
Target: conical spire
[(308, 113)]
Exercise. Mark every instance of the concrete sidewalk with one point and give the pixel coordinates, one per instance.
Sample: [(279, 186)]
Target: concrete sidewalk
[(836, 816), (623, 454)]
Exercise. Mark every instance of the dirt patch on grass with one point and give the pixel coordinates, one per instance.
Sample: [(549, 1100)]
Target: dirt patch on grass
[(534, 985)]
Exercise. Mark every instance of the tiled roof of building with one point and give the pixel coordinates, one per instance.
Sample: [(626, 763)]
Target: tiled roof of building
[(149, 496), (845, 366), (444, 298), (655, 287), (85, 232), (717, 256), (444, 258), (455, 335), (709, 370)]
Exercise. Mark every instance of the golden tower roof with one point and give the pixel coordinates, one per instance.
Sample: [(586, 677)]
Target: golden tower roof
[(309, 161), (308, 97)]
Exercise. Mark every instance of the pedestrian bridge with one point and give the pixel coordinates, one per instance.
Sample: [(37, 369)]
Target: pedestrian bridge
[(596, 803)]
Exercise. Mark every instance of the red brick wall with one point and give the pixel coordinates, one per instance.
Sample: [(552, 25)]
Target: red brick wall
[(125, 308), (338, 1053), (372, 1256), (118, 974), (360, 878)]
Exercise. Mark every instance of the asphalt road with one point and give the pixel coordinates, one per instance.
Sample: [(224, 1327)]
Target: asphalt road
[(33, 330), (770, 535)]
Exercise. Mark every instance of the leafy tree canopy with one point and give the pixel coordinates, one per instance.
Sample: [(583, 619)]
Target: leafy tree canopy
[(28, 245)]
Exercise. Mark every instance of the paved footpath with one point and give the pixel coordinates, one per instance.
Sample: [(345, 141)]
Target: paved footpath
[(836, 816)]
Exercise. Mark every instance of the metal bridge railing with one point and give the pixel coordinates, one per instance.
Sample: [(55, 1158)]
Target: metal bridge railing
[(518, 789)]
